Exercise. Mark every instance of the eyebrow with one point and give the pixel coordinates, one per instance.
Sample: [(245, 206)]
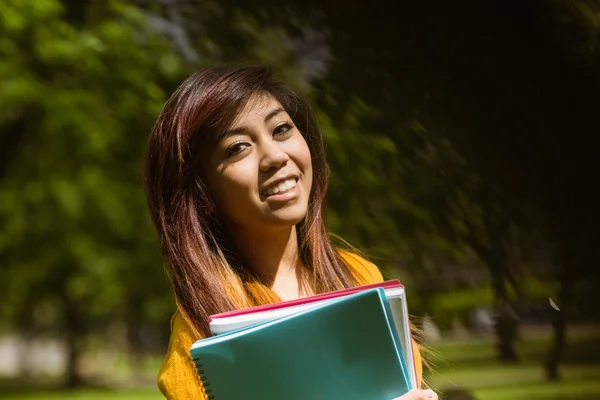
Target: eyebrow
[(242, 129)]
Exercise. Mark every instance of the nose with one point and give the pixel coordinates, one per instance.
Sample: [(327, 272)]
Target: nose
[(273, 156)]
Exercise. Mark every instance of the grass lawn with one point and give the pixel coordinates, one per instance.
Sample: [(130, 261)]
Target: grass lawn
[(469, 365), (150, 394)]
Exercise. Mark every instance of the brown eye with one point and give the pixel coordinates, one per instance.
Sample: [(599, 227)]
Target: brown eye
[(236, 148), (282, 129)]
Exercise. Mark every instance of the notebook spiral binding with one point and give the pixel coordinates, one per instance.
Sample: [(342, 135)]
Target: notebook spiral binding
[(203, 379)]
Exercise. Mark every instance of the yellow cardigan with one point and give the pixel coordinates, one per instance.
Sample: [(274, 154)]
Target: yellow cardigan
[(177, 378)]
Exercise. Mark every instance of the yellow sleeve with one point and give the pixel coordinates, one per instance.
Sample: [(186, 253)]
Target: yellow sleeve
[(365, 271), (178, 378), (368, 273)]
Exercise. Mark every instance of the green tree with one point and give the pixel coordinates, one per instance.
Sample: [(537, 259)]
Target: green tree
[(78, 101), (470, 211)]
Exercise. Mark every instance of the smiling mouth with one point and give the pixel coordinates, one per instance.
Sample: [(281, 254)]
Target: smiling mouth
[(281, 188)]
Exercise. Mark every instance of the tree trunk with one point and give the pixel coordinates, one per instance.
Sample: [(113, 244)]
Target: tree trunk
[(560, 325), (27, 334), (506, 321), (506, 331), (134, 324), (73, 336), (494, 254)]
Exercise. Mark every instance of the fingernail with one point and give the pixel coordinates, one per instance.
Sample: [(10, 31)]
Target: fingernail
[(427, 394)]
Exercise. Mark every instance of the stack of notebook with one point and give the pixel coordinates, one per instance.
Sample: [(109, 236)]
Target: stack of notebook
[(348, 344)]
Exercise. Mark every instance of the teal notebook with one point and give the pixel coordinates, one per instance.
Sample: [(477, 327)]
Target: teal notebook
[(347, 349)]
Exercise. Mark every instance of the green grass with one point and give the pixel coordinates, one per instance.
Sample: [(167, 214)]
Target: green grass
[(469, 365), (150, 394), (572, 390), (24, 389)]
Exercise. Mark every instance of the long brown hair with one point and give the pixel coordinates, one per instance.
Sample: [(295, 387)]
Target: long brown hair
[(206, 274)]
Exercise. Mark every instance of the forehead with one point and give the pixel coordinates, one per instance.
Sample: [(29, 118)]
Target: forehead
[(257, 107)]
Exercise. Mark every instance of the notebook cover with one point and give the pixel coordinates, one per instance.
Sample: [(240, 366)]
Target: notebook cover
[(395, 310), (343, 350), (306, 300)]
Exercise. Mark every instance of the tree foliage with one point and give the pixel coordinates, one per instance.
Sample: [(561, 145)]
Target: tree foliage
[(78, 103)]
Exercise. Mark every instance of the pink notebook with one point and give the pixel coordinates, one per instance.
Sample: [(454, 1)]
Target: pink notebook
[(306, 300)]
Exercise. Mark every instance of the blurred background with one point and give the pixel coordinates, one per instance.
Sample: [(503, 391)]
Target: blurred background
[(460, 140)]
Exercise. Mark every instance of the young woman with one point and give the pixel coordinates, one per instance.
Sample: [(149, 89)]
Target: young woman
[(236, 178)]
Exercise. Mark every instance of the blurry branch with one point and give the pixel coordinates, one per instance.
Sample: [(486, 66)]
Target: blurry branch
[(209, 32), (579, 23), (12, 135), (76, 10), (174, 27), (475, 243)]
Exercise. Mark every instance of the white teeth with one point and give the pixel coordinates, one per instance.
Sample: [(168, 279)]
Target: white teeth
[(280, 188)]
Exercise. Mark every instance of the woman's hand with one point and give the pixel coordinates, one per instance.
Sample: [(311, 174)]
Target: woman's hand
[(417, 394)]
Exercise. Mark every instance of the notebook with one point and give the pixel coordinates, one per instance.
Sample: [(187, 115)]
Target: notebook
[(394, 290), (222, 322), (345, 349)]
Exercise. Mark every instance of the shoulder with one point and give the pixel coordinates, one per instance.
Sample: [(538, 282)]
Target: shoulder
[(365, 271), (177, 378)]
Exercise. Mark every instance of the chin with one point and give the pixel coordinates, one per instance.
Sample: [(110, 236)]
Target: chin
[(288, 217)]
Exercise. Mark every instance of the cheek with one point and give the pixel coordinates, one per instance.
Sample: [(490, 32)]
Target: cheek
[(300, 152), (234, 187), (306, 161)]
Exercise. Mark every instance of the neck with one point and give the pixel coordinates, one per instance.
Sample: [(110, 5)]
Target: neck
[(273, 256)]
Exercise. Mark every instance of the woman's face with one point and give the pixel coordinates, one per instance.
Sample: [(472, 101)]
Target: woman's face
[(260, 172)]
